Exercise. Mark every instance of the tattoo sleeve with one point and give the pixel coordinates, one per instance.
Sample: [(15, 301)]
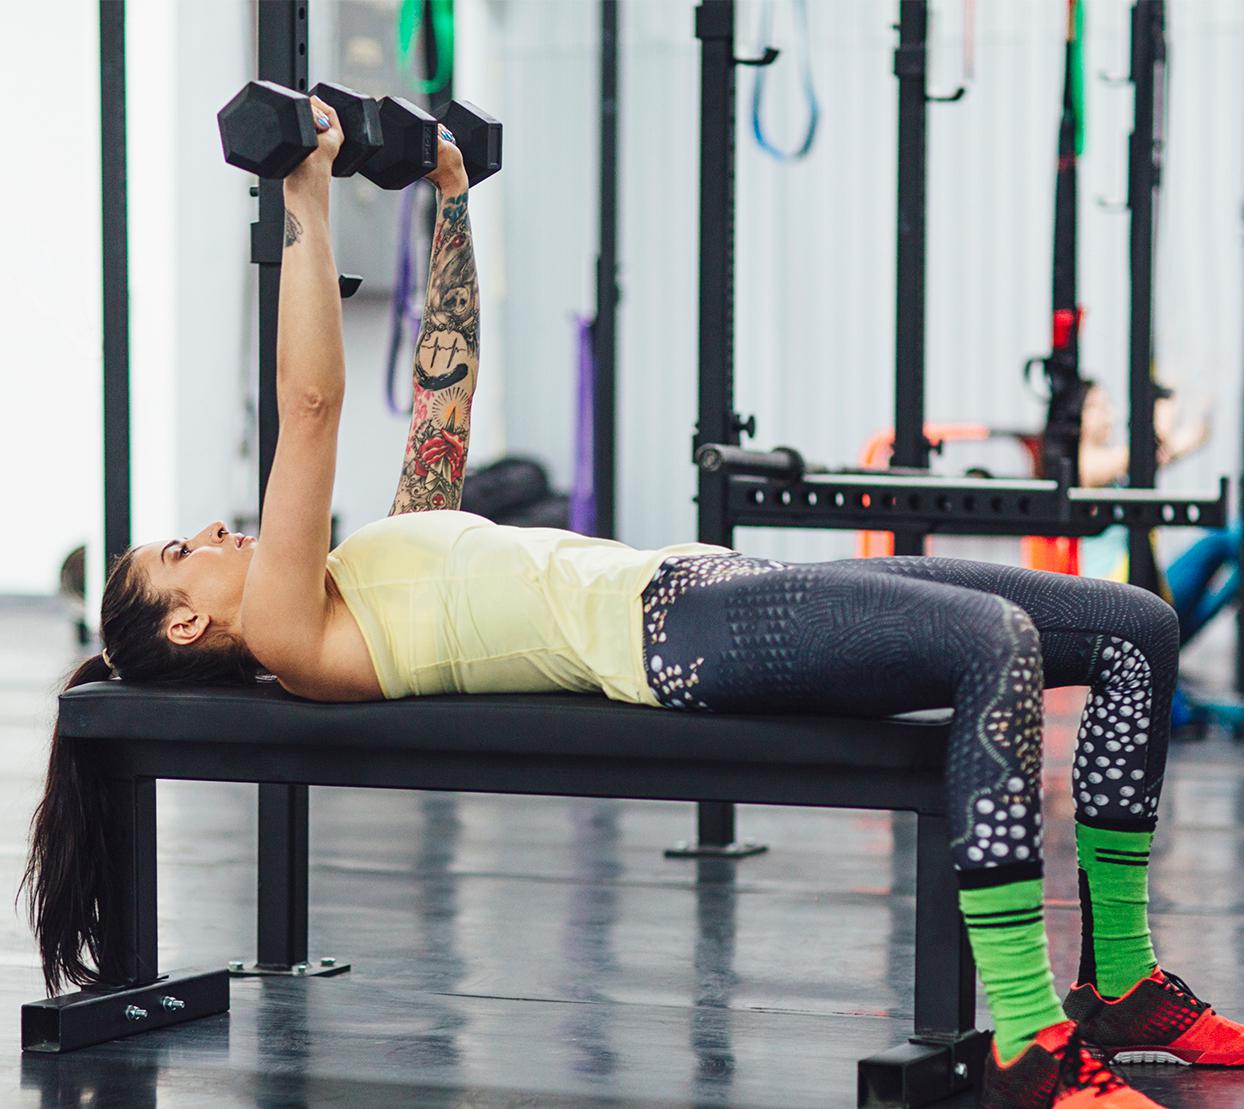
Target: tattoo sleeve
[(445, 369)]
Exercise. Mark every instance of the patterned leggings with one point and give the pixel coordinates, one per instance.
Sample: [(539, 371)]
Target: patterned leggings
[(880, 636)]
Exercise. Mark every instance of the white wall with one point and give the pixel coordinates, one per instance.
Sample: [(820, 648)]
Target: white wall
[(50, 359), (815, 252)]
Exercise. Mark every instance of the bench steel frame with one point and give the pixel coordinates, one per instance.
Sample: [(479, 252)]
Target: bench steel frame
[(533, 744)]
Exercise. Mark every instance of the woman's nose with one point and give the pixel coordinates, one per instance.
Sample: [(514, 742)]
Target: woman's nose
[(215, 532)]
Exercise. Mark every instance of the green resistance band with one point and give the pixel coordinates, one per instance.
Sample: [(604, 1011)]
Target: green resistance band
[(410, 20)]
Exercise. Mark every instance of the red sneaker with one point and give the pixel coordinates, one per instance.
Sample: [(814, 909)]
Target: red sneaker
[(1057, 1070), (1159, 1020)]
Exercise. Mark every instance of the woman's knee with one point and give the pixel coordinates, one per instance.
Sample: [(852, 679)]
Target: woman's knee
[(1152, 625), (1012, 641)]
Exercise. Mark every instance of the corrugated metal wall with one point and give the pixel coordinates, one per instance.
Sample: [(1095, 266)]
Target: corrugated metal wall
[(815, 303)]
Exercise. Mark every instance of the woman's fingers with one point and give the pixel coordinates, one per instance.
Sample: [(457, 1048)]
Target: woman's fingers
[(325, 117)]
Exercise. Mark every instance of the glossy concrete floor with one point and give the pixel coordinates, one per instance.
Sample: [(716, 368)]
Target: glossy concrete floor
[(541, 952)]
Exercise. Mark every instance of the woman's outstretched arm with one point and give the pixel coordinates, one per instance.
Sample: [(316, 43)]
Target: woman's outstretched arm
[(285, 604), (446, 353)]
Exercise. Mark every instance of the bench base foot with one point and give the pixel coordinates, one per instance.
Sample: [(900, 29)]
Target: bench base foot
[(741, 850), (96, 1015), (921, 1071), (313, 968)]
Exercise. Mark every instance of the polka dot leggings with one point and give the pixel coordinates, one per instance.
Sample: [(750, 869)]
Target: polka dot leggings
[(880, 636)]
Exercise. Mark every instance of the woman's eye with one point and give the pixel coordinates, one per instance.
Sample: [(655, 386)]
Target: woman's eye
[(182, 551)]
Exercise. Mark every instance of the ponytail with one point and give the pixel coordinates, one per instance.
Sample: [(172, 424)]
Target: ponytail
[(67, 879)]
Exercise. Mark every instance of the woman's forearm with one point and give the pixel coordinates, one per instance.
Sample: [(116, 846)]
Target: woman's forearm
[(447, 350), (310, 350), (446, 362)]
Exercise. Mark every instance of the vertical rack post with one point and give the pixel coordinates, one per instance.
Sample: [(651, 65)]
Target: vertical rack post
[(1148, 76), (116, 298), (283, 820), (910, 446), (717, 420), (604, 326)]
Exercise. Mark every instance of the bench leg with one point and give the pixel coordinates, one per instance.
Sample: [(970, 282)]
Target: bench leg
[(715, 838), (946, 1054), (282, 915), (134, 807), (151, 1000)]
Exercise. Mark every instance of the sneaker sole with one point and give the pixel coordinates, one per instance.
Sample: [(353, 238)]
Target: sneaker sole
[(1150, 1055), (1168, 1056)]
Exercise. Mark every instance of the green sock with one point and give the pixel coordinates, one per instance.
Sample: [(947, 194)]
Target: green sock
[(1116, 950), (1006, 927)]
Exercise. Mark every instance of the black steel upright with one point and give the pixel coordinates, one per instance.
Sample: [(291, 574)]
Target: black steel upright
[(1148, 76), (283, 831), (717, 422), (604, 326), (116, 280), (1060, 451), (911, 449)]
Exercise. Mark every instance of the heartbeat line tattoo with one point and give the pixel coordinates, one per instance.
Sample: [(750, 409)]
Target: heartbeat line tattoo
[(432, 352)]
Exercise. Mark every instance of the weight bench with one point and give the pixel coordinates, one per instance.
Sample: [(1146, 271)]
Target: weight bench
[(567, 745)]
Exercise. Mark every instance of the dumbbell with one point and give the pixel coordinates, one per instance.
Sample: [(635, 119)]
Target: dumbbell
[(476, 134), (269, 130)]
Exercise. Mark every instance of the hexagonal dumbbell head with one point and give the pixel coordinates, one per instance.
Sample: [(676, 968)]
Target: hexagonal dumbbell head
[(359, 117), (266, 129), (409, 150), (477, 135)]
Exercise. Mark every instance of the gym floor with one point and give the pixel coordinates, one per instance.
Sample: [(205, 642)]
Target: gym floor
[(542, 952)]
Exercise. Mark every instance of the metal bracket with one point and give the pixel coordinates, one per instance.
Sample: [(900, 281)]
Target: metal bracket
[(325, 967), (739, 850), (926, 1069), (96, 1015), (770, 56)]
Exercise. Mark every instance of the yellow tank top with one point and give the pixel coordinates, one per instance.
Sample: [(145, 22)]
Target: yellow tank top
[(449, 602)]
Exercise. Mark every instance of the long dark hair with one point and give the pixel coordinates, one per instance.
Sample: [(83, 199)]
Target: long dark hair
[(67, 881)]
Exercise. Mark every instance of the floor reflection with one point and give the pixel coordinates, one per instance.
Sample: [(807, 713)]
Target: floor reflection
[(716, 926)]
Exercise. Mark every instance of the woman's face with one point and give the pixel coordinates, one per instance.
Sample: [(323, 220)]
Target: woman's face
[(208, 570)]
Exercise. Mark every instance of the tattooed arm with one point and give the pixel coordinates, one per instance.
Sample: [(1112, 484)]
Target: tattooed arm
[(446, 354)]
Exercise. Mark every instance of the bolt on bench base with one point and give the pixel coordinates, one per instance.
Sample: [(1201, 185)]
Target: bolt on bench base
[(96, 1015), (321, 968), (922, 1071)]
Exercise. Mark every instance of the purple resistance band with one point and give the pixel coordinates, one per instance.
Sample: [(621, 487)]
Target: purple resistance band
[(582, 492), (403, 311)]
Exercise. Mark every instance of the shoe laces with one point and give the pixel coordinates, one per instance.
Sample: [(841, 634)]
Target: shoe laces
[(1178, 985), (1079, 1069)]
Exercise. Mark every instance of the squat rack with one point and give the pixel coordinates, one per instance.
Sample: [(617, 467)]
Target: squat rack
[(739, 486)]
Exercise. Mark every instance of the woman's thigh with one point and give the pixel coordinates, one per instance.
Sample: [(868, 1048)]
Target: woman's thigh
[(1074, 616), (751, 635)]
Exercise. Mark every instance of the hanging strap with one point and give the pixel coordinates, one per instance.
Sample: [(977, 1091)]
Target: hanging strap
[(583, 491), (404, 317), (804, 50), (410, 24)]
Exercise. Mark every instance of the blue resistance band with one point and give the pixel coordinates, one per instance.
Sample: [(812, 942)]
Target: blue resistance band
[(804, 50)]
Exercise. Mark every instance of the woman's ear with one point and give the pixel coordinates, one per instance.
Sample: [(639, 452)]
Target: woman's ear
[(187, 626)]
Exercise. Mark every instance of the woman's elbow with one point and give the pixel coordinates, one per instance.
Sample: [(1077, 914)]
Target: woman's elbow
[(311, 402)]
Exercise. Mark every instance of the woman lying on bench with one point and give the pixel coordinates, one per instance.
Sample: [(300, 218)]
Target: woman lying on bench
[(428, 602)]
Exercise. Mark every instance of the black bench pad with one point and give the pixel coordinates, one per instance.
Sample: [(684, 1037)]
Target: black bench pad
[(261, 733)]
